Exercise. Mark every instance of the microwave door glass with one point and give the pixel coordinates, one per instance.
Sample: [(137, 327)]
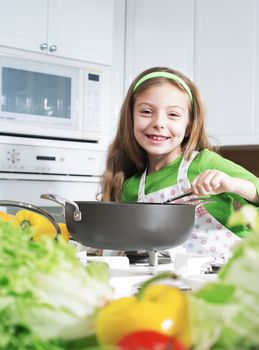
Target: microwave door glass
[(35, 93)]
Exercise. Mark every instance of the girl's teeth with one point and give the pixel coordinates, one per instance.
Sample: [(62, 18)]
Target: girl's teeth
[(157, 138)]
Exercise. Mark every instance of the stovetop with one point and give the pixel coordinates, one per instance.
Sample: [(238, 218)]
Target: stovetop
[(127, 278)]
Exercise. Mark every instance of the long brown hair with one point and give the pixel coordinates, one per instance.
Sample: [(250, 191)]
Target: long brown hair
[(125, 156)]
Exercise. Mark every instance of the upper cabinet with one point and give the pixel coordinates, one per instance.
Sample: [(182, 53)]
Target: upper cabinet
[(256, 92), (226, 68), (77, 29), (159, 33), (23, 24)]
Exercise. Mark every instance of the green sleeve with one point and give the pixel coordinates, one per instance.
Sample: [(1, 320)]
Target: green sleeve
[(225, 203), (211, 160)]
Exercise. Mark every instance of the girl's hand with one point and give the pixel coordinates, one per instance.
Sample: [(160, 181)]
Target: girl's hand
[(212, 182)]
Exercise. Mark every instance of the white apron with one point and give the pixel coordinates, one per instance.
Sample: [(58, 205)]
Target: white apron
[(209, 237)]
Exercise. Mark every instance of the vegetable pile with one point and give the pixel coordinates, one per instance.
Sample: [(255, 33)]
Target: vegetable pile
[(48, 298), (50, 301)]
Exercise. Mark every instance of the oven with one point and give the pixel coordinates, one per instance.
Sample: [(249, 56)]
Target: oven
[(30, 167)]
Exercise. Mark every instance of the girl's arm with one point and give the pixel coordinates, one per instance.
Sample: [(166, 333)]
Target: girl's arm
[(213, 181)]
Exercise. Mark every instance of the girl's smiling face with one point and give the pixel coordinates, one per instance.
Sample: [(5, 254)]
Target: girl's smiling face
[(161, 117)]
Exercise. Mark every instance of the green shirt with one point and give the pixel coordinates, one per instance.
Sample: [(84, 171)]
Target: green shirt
[(224, 204)]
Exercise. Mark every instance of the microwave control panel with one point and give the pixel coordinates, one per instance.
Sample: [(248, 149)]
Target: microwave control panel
[(30, 159), (92, 100)]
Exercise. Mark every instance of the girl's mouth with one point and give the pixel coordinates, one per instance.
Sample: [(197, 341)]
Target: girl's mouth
[(157, 137)]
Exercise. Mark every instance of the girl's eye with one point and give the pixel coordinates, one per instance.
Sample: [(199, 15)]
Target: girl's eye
[(146, 112), (173, 115)]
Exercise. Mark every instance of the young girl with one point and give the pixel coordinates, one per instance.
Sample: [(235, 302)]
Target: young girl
[(161, 151)]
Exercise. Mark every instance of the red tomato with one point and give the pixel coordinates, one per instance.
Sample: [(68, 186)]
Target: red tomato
[(149, 340)]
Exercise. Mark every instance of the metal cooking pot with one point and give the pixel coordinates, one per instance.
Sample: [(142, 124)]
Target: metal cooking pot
[(127, 226)]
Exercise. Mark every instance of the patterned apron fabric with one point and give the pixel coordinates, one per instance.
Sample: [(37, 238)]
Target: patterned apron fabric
[(209, 237)]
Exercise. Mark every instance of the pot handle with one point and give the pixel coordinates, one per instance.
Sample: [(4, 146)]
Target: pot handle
[(33, 208), (62, 201)]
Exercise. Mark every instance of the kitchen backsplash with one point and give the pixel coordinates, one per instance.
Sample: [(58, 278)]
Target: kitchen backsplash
[(247, 156)]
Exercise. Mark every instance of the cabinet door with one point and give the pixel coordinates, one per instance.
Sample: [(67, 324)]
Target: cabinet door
[(159, 33), (81, 29), (23, 24), (257, 77), (225, 67)]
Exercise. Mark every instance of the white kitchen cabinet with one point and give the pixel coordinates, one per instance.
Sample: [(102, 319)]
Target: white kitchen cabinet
[(159, 33), (23, 23), (78, 29), (226, 68), (256, 94)]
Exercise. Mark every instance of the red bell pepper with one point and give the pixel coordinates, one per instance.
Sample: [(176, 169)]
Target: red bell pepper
[(149, 340)]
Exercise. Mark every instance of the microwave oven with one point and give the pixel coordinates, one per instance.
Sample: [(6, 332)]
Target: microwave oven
[(56, 98)]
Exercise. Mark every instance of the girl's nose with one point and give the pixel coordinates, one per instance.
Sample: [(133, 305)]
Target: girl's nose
[(159, 121)]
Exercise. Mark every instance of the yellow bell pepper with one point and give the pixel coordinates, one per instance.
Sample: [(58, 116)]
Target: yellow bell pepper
[(157, 307), (64, 231), (5, 217), (40, 226)]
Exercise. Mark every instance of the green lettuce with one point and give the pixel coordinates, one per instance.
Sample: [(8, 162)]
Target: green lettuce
[(47, 297), (225, 314)]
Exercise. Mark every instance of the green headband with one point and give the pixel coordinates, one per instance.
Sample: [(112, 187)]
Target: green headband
[(164, 75)]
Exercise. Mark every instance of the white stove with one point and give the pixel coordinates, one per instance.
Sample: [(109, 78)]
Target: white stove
[(127, 278)]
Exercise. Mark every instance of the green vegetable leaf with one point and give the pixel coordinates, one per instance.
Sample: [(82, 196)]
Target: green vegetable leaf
[(46, 295), (216, 293)]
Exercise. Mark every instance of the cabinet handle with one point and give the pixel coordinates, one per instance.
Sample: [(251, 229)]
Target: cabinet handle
[(52, 48), (43, 46)]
